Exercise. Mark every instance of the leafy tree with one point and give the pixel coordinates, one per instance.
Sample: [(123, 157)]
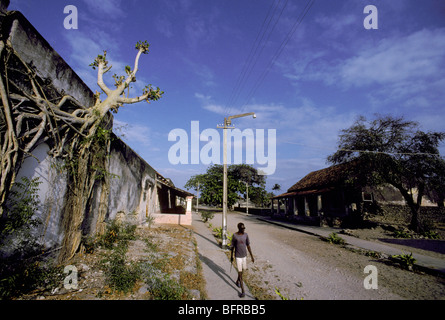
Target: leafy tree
[(246, 173), (436, 189), (211, 184), (258, 195), (276, 187), (390, 150), (195, 181)]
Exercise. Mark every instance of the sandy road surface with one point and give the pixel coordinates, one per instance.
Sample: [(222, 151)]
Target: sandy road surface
[(302, 266)]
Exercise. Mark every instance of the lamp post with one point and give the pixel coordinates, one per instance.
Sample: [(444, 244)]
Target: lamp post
[(227, 125)]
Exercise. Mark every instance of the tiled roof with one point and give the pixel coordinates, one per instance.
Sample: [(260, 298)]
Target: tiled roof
[(325, 177)]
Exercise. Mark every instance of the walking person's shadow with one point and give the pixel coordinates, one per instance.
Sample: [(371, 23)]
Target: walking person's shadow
[(220, 272)]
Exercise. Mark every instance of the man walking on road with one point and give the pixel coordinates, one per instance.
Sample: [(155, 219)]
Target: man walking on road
[(240, 244)]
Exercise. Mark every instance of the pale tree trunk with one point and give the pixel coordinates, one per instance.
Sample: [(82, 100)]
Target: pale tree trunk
[(36, 119), (415, 224), (79, 195)]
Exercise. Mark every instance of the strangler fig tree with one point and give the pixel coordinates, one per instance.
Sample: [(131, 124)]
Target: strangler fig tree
[(33, 111)]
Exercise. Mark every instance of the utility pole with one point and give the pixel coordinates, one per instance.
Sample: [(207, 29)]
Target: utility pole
[(227, 125)]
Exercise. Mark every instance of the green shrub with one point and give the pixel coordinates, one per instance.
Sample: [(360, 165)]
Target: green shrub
[(406, 260), (402, 234), (23, 271), (282, 297), (430, 235), (150, 220), (127, 232), (207, 215), (121, 275), (22, 277), (116, 231), (427, 227), (89, 243), (218, 232), (229, 238), (160, 285), (21, 206), (165, 288), (335, 239)]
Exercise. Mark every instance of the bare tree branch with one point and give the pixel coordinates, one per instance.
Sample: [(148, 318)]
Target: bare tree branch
[(100, 80), (132, 100)]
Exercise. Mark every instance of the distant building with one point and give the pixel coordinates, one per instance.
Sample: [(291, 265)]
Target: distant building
[(329, 196)]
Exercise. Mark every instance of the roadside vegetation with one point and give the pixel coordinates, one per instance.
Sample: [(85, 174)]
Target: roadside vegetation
[(153, 272), (24, 266), (334, 238), (126, 262)]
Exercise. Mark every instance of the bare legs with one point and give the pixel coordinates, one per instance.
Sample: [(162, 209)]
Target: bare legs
[(240, 283)]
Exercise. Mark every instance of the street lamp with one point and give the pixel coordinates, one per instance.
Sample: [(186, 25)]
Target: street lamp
[(227, 125)]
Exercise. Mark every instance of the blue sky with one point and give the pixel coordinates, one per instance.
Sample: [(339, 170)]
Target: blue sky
[(306, 81)]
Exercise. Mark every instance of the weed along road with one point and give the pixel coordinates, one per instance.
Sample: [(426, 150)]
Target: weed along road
[(290, 264)]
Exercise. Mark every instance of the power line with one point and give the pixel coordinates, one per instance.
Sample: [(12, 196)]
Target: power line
[(280, 50), (254, 60), (249, 57), (248, 64), (366, 151)]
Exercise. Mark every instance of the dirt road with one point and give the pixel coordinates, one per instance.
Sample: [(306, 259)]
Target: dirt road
[(303, 266)]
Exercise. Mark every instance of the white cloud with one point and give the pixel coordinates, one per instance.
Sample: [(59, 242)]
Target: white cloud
[(209, 105), (221, 110), (133, 133), (404, 69), (395, 60), (181, 175), (307, 127), (336, 25)]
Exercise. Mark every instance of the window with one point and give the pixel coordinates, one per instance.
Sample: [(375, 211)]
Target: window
[(367, 196)]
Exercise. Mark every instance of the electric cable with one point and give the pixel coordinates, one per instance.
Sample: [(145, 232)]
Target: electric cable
[(279, 51), (253, 61), (255, 52)]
